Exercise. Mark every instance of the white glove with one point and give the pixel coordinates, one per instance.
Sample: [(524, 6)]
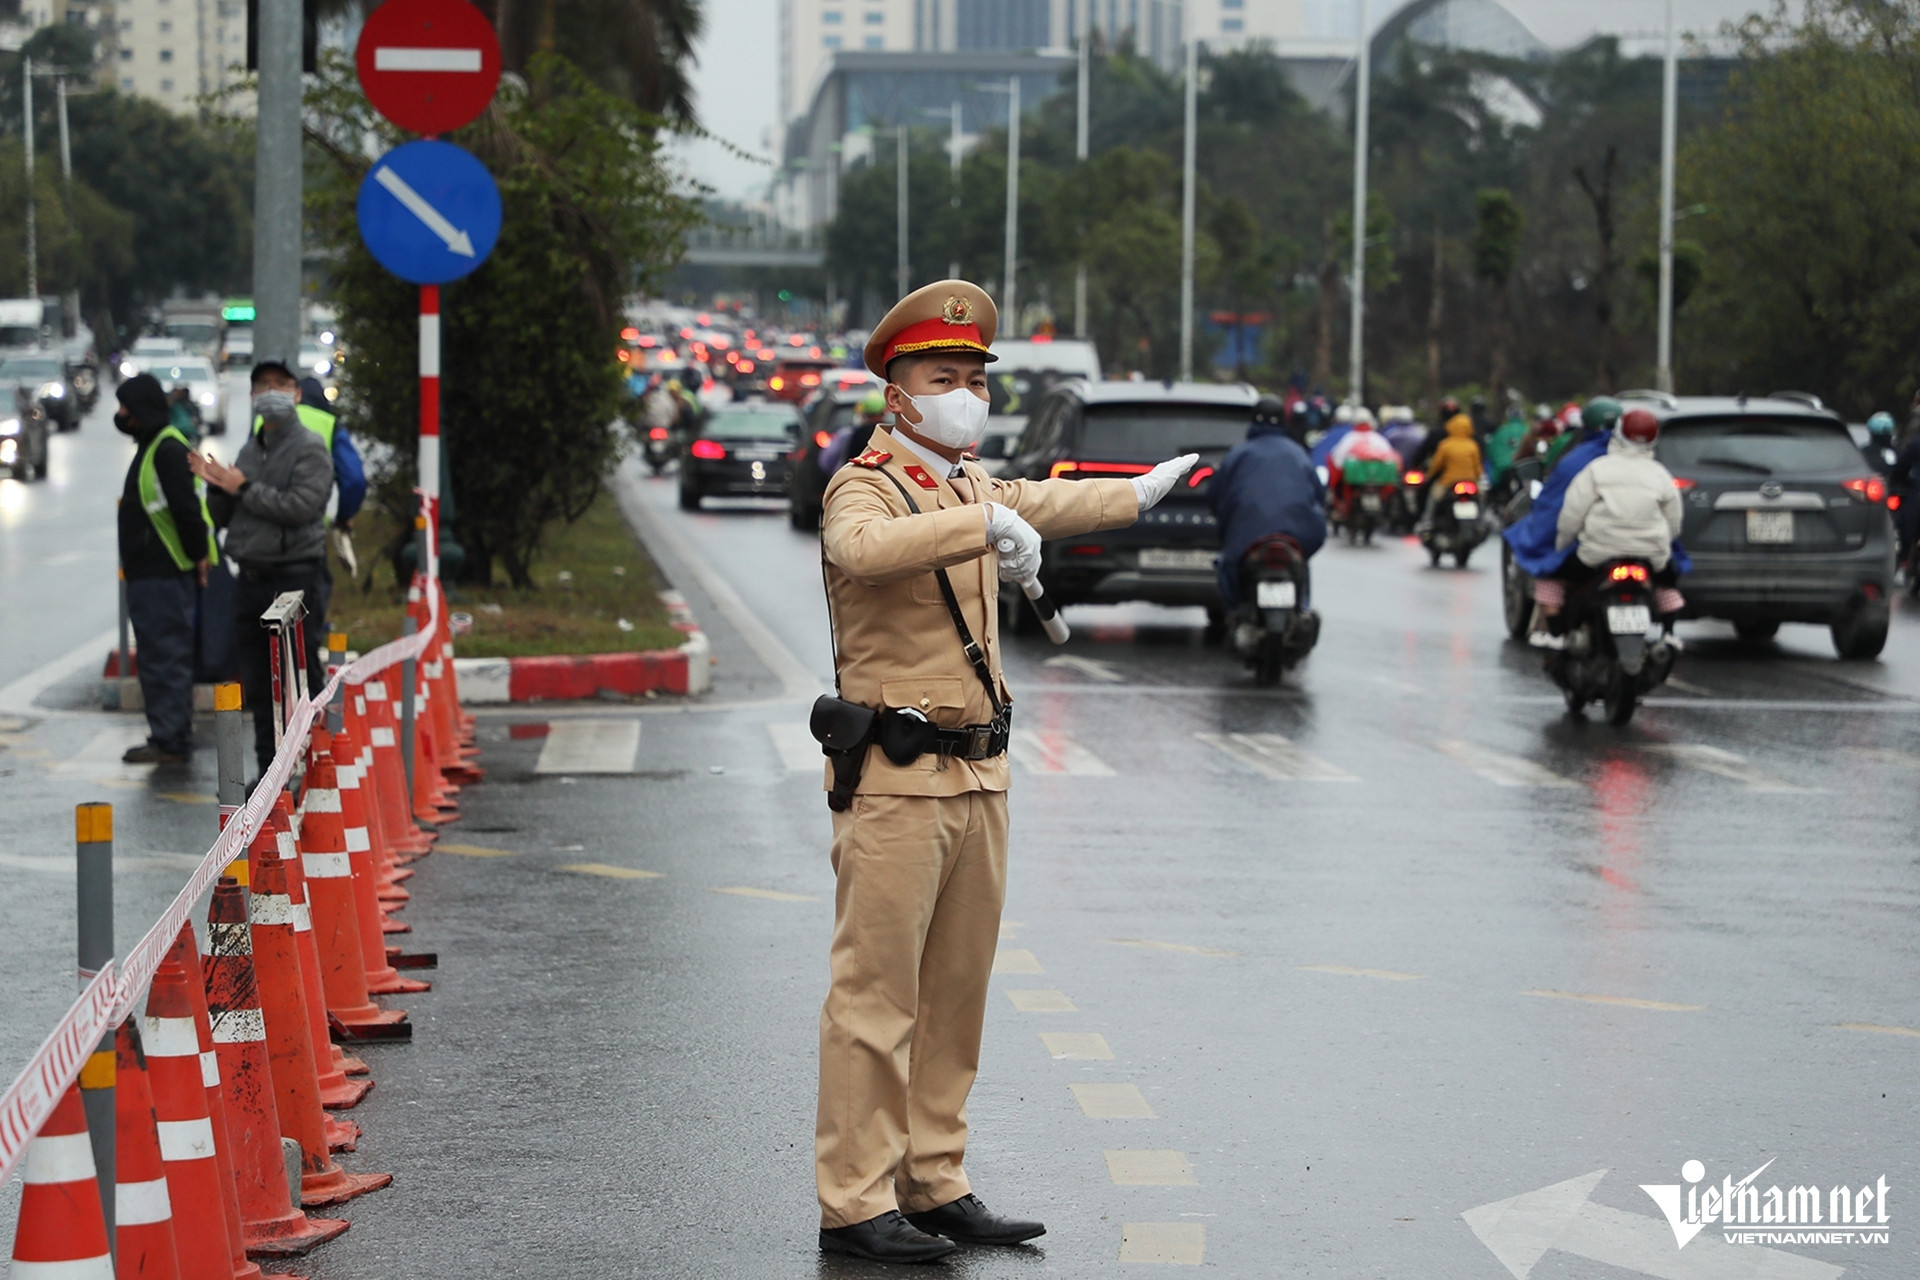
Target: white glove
[(1017, 542), (1159, 482)]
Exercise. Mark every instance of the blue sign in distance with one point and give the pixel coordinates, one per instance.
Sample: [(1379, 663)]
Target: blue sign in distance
[(429, 212)]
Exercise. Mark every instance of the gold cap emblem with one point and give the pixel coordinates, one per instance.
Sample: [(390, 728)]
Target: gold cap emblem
[(957, 310)]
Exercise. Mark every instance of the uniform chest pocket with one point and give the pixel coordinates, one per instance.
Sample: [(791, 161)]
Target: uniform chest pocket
[(940, 699)]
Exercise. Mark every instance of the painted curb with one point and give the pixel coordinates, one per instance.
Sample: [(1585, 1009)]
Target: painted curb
[(685, 670)]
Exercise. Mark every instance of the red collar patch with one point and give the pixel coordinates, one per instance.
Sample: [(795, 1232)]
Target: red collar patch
[(918, 474)]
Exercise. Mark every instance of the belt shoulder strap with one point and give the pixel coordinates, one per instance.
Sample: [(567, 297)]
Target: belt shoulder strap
[(972, 650)]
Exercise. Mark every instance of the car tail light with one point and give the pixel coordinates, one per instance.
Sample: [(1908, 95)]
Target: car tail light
[(765, 353), (704, 319), (1199, 477), (814, 352), (658, 433), (647, 340), (686, 333), (1893, 502), (1086, 551), (1098, 468), (809, 379), (711, 450), (629, 335), (1416, 477), (1683, 484), (733, 357), (1629, 573), (793, 340), (776, 383), (1465, 489), (822, 439), (745, 366), (1866, 489)]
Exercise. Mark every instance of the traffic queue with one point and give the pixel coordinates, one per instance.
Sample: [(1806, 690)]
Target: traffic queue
[(1614, 519)]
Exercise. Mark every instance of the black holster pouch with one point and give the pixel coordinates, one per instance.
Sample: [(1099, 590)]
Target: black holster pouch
[(905, 735), (843, 729)]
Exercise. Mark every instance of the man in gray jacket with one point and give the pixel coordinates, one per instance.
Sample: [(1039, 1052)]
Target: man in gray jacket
[(273, 503)]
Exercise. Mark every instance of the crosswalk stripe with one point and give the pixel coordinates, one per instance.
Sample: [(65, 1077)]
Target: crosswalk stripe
[(590, 746), (1137, 1168), (1500, 768), (769, 895), (799, 753), (1182, 1243), (1275, 756), (1055, 752), (1112, 1101), (1724, 764), (609, 871), (1015, 960), (1087, 1046)]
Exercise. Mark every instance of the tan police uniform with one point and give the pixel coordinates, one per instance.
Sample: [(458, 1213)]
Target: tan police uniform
[(920, 856)]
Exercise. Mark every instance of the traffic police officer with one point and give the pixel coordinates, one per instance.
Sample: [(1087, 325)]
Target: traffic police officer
[(915, 539)]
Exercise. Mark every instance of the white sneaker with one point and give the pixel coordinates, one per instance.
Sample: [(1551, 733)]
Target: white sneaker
[(1547, 640)]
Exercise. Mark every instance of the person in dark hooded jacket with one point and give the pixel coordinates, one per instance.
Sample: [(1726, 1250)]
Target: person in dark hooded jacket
[(1266, 485), (166, 542)]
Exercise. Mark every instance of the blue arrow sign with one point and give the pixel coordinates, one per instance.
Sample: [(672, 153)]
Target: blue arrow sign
[(429, 212)]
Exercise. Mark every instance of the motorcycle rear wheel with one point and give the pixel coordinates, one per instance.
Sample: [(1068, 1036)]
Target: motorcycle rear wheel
[(1621, 700), (1268, 665), (1576, 705)]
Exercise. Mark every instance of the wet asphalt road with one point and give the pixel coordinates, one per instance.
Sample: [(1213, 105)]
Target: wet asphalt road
[(1390, 943)]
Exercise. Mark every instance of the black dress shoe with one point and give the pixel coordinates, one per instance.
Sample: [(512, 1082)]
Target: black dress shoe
[(887, 1238), (970, 1222)]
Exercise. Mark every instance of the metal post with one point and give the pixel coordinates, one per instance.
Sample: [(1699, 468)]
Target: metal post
[(409, 694), (1669, 115), (93, 860), (230, 746), (1187, 178), (1080, 153), (428, 549), (277, 185), (1362, 100), (901, 275), (66, 141), (1009, 310), (33, 220), (953, 176)]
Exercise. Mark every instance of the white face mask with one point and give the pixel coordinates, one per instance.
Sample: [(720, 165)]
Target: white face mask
[(953, 420)]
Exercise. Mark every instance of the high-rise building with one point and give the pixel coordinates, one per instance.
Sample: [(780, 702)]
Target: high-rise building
[(176, 51)]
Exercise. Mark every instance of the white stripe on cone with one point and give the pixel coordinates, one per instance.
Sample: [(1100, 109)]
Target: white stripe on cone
[(238, 1026), (326, 866), (323, 800), (169, 1037), (100, 1268), (210, 1070), (63, 1157), (141, 1204), (270, 909), (357, 841), (186, 1139)]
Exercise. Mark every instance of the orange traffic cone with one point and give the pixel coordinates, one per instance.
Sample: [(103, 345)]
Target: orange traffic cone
[(206, 1215), (272, 1229), (142, 1209), (381, 977), (61, 1232), (283, 1000), (334, 1066), (462, 720), (336, 924), (432, 795), (404, 836)]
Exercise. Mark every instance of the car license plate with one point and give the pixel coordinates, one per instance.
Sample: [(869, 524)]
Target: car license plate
[(1274, 595), (1170, 558), (1466, 511), (1370, 503), (1769, 526), (1628, 619)]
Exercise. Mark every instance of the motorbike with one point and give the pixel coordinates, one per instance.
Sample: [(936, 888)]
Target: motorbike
[(1608, 657), (1454, 525), (1272, 627), (1403, 513), (658, 448), (1364, 498)]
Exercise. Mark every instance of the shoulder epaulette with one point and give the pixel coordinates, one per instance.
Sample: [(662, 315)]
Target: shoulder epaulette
[(872, 458)]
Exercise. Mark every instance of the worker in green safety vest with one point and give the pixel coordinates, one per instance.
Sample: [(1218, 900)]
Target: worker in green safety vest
[(166, 546)]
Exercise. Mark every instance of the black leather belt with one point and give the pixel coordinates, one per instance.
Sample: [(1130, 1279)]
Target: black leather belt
[(972, 742), (285, 569)]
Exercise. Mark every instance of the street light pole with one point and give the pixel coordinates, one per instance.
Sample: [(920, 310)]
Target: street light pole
[(277, 185), (900, 210), (1363, 87), (1186, 207), (1008, 301), (953, 180), (33, 227), (1080, 153), (1669, 113)]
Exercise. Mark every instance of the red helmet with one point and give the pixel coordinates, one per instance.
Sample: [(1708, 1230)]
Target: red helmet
[(1640, 426)]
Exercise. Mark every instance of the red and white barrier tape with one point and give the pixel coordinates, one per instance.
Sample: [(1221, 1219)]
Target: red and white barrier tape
[(108, 999)]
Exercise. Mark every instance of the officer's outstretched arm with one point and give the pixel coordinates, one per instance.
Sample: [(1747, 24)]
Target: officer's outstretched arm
[(1067, 508), (870, 543)]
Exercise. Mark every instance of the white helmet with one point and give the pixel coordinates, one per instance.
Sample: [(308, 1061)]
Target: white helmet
[(1343, 414)]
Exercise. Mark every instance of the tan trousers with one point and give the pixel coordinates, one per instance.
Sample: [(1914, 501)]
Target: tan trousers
[(916, 919)]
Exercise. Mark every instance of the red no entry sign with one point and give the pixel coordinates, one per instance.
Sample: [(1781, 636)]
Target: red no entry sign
[(428, 65)]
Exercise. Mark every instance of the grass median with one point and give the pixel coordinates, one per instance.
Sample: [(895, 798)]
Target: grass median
[(595, 591)]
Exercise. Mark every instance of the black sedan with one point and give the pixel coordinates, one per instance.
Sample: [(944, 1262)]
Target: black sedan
[(742, 451)]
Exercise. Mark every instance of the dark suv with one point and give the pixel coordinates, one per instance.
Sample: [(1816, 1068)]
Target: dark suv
[(1785, 521), (1108, 429)]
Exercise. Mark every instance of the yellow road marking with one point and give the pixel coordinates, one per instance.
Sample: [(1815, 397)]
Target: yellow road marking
[(611, 872), (1150, 1169), (1015, 961), (1180, 947), (769, 895), (1112, 1102), (1625, 1002), (1035, 1001), (473, 851), (1880, 1030), (1388, 975), (1183, 1243), (1080, 1045), (187, 797), (1009, 929)]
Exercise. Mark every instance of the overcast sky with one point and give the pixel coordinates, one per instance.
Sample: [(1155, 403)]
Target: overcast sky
[(738, 74)]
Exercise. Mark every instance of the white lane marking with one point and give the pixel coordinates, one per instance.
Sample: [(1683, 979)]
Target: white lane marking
[(1275, 756), (1112, 1101), (1048, 751), (1181, 1243), (1500, 768), (1724, 764), (1688, 686), (799, 753), (1521, 1229), (392, 58), (17, 697), (456, 240), (1093, 668), (1136, 1168), (100, 758), (1347, 970), (1873, 1027), (1624, 1002), (1881, 755), (589, 746), (1078, 1046), (609, 871), (769, 895), (795, 679), (1015, 960), (1044, 1001), (1181, 948)]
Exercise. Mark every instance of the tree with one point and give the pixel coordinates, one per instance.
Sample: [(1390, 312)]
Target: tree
[(639, 50), (1496, 248), (529, 385)]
